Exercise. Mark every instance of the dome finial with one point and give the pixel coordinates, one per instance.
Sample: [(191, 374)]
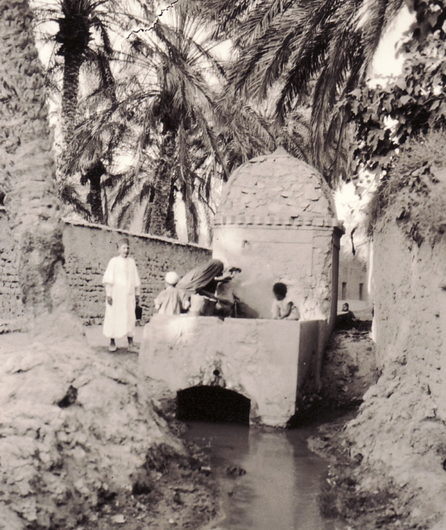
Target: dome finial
[(280, 145)]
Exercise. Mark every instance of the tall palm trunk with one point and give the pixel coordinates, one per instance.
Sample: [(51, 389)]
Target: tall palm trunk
[(162, 221), (70, 93), (94, 198), (192, 222), (75, 35), (28, 171)]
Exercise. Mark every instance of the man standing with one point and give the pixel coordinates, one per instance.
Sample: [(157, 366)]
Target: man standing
[(122, 287)]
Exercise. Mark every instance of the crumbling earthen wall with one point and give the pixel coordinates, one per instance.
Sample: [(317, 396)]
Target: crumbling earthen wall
[(400, 424), (88, 248), (407, 282)]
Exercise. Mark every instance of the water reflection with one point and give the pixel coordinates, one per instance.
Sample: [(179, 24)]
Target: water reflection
[(282, 481)]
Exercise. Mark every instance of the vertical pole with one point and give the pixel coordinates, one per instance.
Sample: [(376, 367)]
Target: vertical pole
[(442, 312)]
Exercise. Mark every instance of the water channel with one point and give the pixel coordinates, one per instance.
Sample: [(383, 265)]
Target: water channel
[(269, 479)]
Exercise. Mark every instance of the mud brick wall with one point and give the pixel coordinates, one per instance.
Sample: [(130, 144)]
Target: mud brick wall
[(88, 249)]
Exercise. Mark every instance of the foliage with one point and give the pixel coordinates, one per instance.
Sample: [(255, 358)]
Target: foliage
[(79, 36), (79, 31), (416, 103), (414, 192), (186, 134), (168, 94), (400, 131), (322, 48)]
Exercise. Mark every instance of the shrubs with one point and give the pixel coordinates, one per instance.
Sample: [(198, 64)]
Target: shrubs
[(414, 191)]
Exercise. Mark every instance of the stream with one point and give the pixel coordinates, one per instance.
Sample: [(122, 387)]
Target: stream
[(269, 479)]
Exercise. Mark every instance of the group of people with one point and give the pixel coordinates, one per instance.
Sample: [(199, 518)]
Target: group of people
[(196, 293)]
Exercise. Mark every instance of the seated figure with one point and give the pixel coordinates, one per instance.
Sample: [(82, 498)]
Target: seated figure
[(283, 308), (171, 301), (346, 319)]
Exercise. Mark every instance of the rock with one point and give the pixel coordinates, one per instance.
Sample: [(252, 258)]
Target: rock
[(118, 519), (235, 471)]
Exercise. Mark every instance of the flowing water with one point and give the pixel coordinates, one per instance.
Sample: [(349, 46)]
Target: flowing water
[(282, 481)]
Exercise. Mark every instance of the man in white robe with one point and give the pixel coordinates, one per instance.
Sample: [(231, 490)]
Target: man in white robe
[(122, 287)]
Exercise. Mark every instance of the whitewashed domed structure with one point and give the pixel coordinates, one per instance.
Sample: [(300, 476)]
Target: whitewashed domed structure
[(277, 222)]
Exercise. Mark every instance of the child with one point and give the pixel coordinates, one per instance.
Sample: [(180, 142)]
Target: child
[(283, 308), (171, 301), (122, 286)]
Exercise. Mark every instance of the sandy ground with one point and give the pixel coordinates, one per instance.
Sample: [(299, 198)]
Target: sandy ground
[(99, 343)]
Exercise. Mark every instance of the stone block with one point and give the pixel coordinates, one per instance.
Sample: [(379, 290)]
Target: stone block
[(264, 360)]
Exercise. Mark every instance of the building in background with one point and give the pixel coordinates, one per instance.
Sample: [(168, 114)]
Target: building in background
[(353, 283)]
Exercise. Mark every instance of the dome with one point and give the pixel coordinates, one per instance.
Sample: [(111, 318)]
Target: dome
[(277, 189)]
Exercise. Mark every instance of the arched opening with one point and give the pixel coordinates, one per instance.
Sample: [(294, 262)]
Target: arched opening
[(214, 404)]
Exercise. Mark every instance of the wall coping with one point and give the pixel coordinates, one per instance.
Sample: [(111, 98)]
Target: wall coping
[(126, 232), (134, 234), (272, 221)]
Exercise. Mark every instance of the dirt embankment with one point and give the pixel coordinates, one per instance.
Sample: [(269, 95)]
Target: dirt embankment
[(349, 367), (79, 450), (357, 491), (388, 458)]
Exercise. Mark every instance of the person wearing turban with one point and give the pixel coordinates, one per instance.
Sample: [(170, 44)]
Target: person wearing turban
[(171, 301)]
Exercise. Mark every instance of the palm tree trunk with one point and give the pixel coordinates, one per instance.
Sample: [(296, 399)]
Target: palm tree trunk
[(94, 198), (162, 221), (28, 170), (192, 215), (70, 94)]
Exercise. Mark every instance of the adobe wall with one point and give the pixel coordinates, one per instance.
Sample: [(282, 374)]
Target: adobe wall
[(407, 299), (400, 425), (352, 273), (88, 248)]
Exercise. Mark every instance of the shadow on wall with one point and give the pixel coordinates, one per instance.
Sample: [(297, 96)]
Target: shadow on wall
[(243, 310), (212, 404)]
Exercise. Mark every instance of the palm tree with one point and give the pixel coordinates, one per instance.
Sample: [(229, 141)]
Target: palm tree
[(296, 43), (82, 39), (28, 177), (187, 134), (169, 92)]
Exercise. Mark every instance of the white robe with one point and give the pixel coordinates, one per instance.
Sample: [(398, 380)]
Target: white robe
[(122, 283)]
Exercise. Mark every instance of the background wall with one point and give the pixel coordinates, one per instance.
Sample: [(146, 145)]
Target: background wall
[(88, 248), (352, 274)]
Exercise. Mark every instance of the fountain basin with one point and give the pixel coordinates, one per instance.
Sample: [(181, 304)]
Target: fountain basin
[(271, 362)]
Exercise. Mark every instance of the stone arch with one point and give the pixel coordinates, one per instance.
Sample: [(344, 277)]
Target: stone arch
[(213, 403)]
